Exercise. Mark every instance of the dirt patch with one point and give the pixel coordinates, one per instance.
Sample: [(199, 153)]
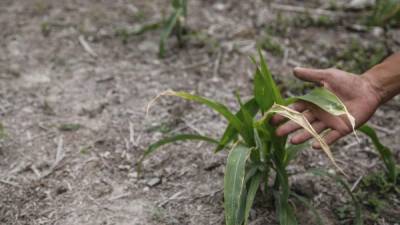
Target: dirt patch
[(75, 123)]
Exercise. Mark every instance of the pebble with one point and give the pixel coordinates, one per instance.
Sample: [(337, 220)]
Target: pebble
[(377, 31), (153, 182)]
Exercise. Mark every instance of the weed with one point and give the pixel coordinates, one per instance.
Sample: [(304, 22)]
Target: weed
[(307, 20), (40, 7), (45, 28), (3, 133), (256, 153), (267, 43), (355, 56), (69, 127), (386, 12), (175, 24)]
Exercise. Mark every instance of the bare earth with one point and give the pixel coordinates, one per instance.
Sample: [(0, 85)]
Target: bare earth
[(75, 117)]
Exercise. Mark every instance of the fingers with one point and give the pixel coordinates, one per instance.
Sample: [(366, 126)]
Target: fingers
[(331, 137), (304, 135), (290, 126), (299, 106), (311, 75)]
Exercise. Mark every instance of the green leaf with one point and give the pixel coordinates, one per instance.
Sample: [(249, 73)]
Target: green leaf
[(3, 133), (262, 93), (247, 119), (252, 191), (329, 102), (384, 152), (271, 85), (234, 184), (308, 204), (69, 127), (231, 133), (180, 137), (169, 26), (220, 108), (358, 220), (285, 211), (326, 100)]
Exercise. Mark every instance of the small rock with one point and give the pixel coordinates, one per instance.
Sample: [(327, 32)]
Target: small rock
[(133, 175), (377, 31), (153, 182), (146, 189), (219, 6), (124, 167)]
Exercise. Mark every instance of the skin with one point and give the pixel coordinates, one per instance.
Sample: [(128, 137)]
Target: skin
[(362, 95)]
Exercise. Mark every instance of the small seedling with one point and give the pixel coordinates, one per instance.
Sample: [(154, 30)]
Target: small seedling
[(255, 152), (175, 24), (268, 44), (69, 127)]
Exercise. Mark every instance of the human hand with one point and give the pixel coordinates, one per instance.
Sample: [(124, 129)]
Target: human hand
[(356, 92)]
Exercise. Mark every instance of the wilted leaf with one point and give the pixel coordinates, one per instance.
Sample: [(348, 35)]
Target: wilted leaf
[(300, 119)]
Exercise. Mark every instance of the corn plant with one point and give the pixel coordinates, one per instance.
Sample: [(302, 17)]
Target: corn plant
[(257, 155), (175, 24)]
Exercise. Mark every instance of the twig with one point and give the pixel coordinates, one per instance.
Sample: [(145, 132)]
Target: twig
[(10, 183), (131, 133), (299, 9), (193, 127), (217, 65), (356, 183), (59, 157), (174, 196), (352, 144), (113, 198), (35, 170), (87, 47), (285, 56)]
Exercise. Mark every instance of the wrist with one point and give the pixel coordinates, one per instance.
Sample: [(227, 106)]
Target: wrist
[(375, 86)]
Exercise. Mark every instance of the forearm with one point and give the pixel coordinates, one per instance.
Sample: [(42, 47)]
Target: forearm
[(385, 78)]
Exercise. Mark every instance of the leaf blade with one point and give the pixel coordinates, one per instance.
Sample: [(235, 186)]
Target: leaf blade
[(169, 26), (254, 184), (230, 132), (234, 184), (179, 137), (384, 152)]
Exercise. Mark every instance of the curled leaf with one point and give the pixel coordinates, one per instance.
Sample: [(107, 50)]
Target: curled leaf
[(301, 120)]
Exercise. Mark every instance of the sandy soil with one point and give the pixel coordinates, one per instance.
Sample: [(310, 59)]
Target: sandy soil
[(75, 120)]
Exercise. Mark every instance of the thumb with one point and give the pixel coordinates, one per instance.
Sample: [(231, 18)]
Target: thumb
[(311, 75)]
